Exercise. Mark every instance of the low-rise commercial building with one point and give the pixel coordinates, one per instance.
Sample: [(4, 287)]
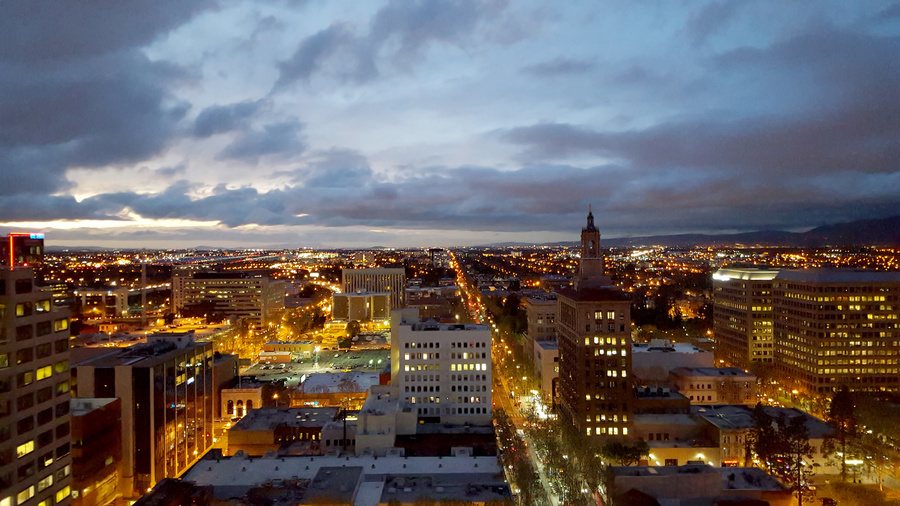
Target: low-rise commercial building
[(344, 389), (651, 362), (694, 484), (730, 426), (361, 306), (271, 429), (330, 479), (715, 385)]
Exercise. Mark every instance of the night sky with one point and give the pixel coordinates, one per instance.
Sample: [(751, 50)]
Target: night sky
[(358, 123)]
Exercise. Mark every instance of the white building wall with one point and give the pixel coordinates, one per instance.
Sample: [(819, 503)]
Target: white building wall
[(442, 370)]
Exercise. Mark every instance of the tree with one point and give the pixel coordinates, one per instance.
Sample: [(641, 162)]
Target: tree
[(762, 438), (794, 440), (623, 454), (842, 419), (353, 328)]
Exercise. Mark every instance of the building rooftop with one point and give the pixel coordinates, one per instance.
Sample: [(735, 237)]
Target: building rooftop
[(733, 478), (711, 372), (605, 293), (289, 343), (748, 274), (737, 417), (434, 326), (343, 382), (838, 276), (380, 403), (446, 428), (333, 485), (548, 345), (143, 354), (663, 346), (264, 419), (664, 419), (83, 405), (426, 472)]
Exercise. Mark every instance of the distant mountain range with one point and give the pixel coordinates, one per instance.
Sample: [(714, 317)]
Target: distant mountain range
[(878, 232)]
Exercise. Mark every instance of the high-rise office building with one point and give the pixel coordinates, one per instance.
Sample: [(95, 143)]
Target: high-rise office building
[(742, 301), (22, 249), (35, 439), (442, 371), (257, 299), (377, 279), (837, 327), (594, 331), (166, 390)]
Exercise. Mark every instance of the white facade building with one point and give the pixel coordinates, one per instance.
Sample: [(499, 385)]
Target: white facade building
[(441, 371), (377, 279)]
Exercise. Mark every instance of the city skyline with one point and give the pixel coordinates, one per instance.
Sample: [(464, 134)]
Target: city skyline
[(334, 124)]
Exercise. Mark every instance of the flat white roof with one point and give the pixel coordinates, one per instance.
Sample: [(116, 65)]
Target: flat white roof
[(240, 471)]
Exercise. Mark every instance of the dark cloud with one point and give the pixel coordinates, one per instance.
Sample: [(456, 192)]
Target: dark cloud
[(335, 168), (312, 52), (39, 207), (531, 199), (558, 66), (890, 12), (415, 25), (400, 32), (106, 110), (283, 140), (218, 119), (32, 31), (851, 81), (710, 19), (174, 170), (831, 67), (75, 90)]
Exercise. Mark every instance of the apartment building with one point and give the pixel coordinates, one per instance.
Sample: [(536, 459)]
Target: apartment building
[(35, 422), (442, 371)]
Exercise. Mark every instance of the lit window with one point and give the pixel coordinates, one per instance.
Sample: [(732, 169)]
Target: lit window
[(62, 494), (44, 483), (24, 449), (25, 495), (44, 372)]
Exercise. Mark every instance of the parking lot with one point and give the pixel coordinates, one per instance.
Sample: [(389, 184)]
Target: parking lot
[(328, 361)]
